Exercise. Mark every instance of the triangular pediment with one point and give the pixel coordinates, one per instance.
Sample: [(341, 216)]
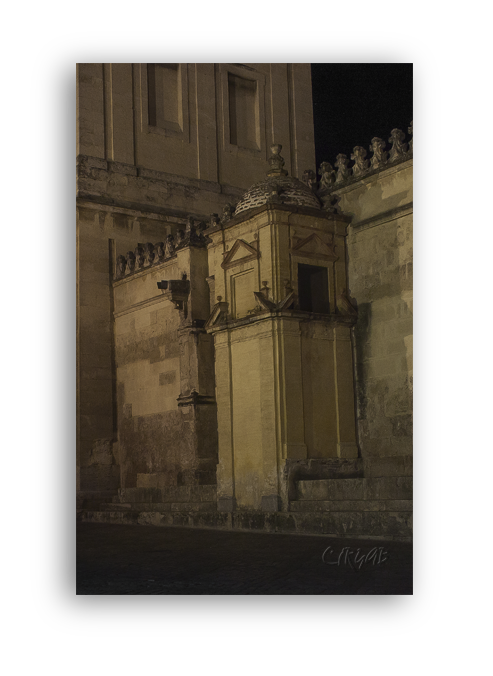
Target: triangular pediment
[(313, 246), (240, 252)]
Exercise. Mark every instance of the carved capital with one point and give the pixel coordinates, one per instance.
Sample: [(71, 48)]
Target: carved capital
[(177, 291)]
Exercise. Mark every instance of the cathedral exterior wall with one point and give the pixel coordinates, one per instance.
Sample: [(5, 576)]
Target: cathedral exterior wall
[(115, 122), (241, 370), (380, 279), (98, 229)]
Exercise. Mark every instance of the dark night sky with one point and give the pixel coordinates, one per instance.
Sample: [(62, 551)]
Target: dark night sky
[(353, 102)]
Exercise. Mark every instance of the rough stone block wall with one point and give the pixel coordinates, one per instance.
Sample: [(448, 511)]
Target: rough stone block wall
[(97, 231), (155, 366), (380, 279)]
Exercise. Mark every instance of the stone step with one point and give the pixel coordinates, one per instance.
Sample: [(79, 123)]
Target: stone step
[(159, 507), (381, 525), (351, 506), (382, 488), (89, 499), (170, 494)]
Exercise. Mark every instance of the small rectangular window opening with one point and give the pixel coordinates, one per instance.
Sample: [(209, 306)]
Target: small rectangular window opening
[(313, 289), (243, 114), (163, 95)]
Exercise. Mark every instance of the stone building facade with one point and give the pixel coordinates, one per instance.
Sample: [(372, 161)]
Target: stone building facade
[(244, 329)]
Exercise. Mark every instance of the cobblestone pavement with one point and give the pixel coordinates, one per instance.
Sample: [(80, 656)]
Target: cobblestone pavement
[(121, 559)]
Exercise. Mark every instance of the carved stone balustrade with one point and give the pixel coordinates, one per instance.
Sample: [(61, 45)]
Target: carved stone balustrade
[(380, 159)]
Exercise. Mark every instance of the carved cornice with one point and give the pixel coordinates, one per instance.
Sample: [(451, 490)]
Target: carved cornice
[(390, 215), (298, 315)]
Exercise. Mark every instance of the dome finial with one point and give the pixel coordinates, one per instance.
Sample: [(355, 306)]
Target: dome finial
[(276, 162)]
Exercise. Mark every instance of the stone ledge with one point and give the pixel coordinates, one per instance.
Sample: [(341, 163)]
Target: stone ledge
[(365, 525), (380, 219), (351, 506), (379, 488), (371, 175)]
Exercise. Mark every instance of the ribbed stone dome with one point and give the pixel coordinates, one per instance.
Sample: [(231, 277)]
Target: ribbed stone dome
[(277, 188), (280, 189)]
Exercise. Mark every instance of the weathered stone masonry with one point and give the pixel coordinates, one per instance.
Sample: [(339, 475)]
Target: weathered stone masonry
[(244, 358)]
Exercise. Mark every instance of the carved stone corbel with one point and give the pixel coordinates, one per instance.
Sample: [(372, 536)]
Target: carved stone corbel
[(177, 291)]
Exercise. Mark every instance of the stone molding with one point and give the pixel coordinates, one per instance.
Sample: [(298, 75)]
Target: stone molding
[(327, 251), (226, 323), (379, 219)]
